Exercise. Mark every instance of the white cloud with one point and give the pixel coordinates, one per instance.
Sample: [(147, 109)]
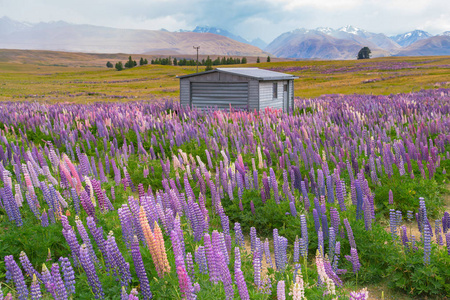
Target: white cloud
[(249, 18)]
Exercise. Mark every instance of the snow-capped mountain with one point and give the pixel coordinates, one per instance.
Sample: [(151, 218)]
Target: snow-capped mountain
[(446, 33), (322, 43), (352, 30), (8, 25), (220, 31), (408, 38)]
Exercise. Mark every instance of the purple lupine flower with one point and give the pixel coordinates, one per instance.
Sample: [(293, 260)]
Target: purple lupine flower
[(351, 238), (117, 262), (225, 276), (359, 199), (296, 249), (140, 270), (340, 190), (320, 242), (393, 223), (76, 200), (331, 242), (89, 268), (316, 218), (330, 189), (200, 259), (190, 265), (241, 285), (330, 272), (293, 209), (325, 224), (304, 228), (97, 233), (337, 253), (86, 240), (59, 286), (69, 275), (47, 280), (335, 220), (404, 236), (354, 259), (367, 214), (35, 289), (267, 253), (17, 276), (27, 266), (361, 295), (426, 242), (447, 238), (252, 206), (391, 197), (213, 267), (126, 222), (281, 293), (257, 269), (274, 185), (239, 237)]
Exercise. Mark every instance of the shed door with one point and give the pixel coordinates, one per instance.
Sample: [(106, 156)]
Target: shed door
[(220, 95)]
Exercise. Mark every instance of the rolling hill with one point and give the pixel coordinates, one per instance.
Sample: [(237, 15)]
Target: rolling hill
[(62, 36)]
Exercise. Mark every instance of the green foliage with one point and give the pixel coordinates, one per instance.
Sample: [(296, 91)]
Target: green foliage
[(364, 53), (244, 60), (267, 216), (268, 58), (109, 65), (407, 272), (258, 60), (406, 193), (119, 66), (130, 63)]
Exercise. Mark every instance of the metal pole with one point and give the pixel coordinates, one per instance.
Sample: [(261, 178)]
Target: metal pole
[(197, 55)]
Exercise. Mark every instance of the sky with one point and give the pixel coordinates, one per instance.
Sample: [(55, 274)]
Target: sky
[(249, 18)]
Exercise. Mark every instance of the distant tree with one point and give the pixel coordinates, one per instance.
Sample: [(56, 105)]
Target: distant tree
[(134, 63), (175, 62), (257, 60), (364, 53), (145, 62), (244, 60), (268, 58), (141, 62), (109, 65), (119, 66), (208, 64), (130, 62)]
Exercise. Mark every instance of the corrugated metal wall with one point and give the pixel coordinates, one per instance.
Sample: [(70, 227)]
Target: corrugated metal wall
[(185, 92), (266, 95), (219, 94), (253, 95)]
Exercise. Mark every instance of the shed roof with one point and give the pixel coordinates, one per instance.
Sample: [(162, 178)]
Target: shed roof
[(256, 73)]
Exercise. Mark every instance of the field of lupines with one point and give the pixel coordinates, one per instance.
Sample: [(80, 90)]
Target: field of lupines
[(141, 200)]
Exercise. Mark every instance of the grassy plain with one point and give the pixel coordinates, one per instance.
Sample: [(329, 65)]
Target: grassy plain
[(78, 77)]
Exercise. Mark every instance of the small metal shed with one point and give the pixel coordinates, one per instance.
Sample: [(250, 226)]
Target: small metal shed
[(243, 88)]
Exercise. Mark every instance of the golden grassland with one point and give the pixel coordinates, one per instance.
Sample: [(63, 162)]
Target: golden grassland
[(75, 77)]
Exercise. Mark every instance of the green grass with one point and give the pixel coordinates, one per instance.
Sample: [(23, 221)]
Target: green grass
[(54, 77)]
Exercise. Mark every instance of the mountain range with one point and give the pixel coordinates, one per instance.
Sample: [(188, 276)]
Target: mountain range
[(63, 36), (319, 43)]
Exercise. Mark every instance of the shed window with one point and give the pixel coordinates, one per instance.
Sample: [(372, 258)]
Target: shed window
[(275, 90)]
